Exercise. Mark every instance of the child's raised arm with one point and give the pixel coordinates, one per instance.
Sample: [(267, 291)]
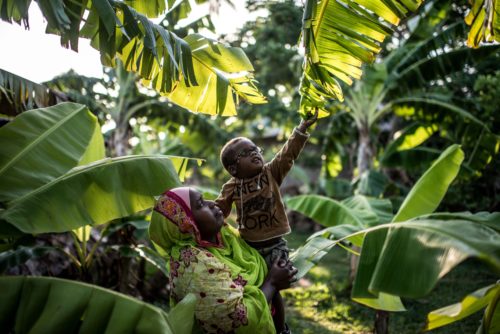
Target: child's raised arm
[(306, 123)]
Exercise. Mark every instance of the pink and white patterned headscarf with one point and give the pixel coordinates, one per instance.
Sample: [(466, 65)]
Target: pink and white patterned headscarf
[(175, 204)]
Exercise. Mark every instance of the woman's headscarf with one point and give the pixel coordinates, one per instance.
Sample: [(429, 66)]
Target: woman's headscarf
[(174, 231), (175, 205)]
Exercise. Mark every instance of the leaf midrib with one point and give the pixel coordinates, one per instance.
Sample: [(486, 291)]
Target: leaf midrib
[(82, 169), (40, 139)]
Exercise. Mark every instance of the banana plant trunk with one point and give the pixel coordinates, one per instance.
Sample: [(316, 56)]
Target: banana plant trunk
[(365, 157), (364, 163), (119, 142)]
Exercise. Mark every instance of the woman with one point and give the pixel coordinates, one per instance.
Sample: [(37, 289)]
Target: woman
[(208, 258)]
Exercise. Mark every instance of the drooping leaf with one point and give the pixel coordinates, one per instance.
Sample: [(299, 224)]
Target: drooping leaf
[(469, 305), (160, 57), (221, 69), (490, 219), (357, 210), (430, 189), (423, 251), (339, 36), (324, 210), (93, 194), (308, 255), (41, 305), (370, 255), (41, 145)]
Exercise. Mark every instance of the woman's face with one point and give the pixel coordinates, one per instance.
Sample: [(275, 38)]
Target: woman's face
[(208, 217)]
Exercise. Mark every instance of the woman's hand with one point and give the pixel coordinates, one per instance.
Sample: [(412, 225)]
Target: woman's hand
[(282, 274)]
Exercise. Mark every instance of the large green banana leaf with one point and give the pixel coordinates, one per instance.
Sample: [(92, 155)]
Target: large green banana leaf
[(470, 304), (430, 189), (489, 219), (118, 31), (41, 145), (340, 36), (53, 305), (424, 198), (412, 256), (93, 194), (214, 64), (357, 210)]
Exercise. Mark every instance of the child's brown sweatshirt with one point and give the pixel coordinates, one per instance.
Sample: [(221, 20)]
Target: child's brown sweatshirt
[(260, 211)]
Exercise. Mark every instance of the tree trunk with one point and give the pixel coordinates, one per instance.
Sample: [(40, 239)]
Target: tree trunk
[(119, 142), (365, 151), (381, 322), (365, 158)]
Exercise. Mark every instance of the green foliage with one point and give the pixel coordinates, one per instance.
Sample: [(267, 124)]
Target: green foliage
[(55, 198), (472, 303), (170, 64), (422, 250), (41, 305)]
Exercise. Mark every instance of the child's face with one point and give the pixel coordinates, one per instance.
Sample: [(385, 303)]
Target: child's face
[(249, 160), (208, 217)]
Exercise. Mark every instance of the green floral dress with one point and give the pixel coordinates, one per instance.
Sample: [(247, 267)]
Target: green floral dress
[(225, 278)]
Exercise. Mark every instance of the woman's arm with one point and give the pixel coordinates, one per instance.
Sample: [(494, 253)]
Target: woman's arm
[(280, 276)]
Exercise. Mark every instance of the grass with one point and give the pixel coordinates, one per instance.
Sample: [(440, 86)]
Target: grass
[(320, 303)]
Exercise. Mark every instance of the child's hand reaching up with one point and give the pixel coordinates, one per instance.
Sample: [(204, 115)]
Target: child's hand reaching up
[(306, 123)]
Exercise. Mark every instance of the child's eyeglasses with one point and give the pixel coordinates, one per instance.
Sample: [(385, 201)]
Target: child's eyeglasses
[(248, 152)]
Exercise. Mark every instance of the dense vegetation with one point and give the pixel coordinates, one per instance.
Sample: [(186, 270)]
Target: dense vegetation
[(394, 203)]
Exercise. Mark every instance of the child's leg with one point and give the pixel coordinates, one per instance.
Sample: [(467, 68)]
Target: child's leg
[(279, 313)]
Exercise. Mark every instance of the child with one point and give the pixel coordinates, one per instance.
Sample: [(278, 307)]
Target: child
[(254, 187)]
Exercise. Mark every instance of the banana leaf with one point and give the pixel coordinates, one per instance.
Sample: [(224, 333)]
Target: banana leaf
[(339, 37), (93, 194), (18, 94), (430, 189), (407, 259), (484, 19), (41, 145), (490, 219), (357, 210), (53, 305), (120, 31), (470, 304)]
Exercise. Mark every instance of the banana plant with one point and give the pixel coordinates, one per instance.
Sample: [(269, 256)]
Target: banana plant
[(196, 73), (423, 248), (56, 178), (41, 305), (54, 162), (340, 36)]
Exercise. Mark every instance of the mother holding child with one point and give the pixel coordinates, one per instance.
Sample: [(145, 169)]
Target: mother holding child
[(231, 281)]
